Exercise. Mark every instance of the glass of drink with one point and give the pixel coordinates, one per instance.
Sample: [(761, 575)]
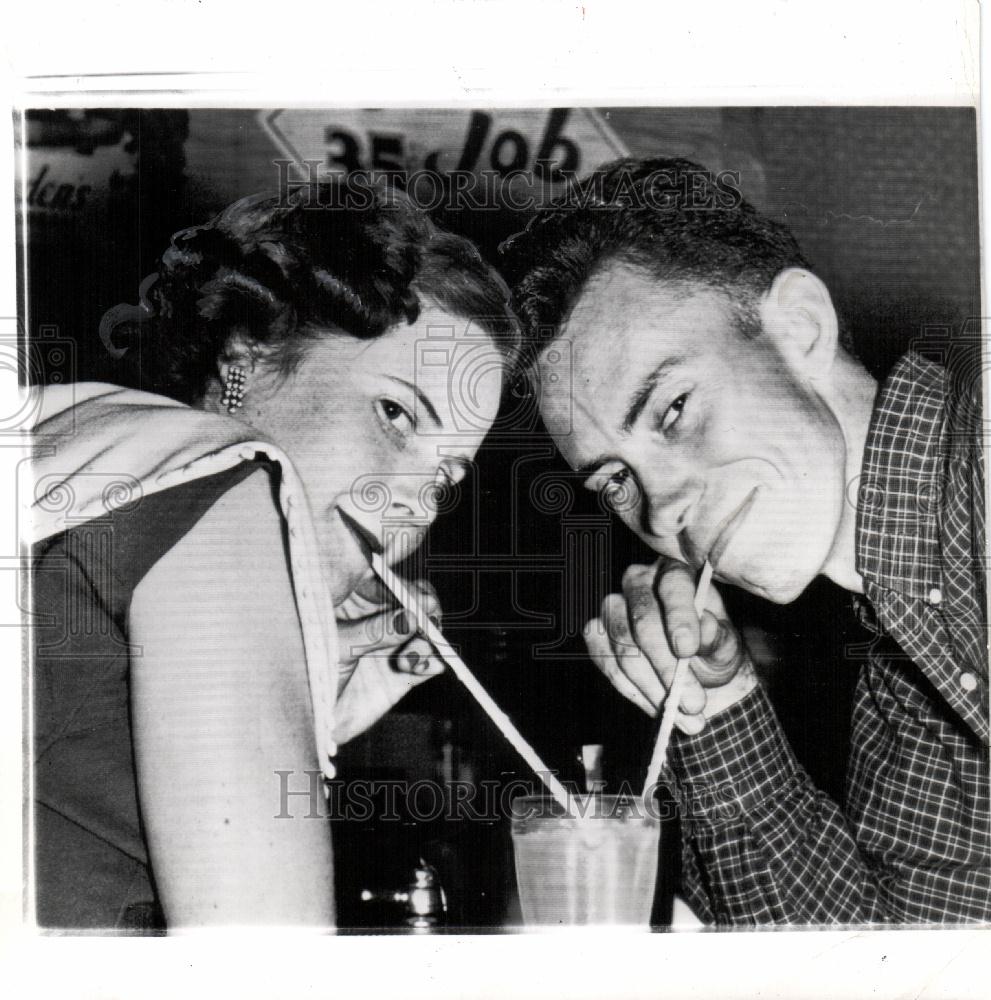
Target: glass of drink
[(594, 863)]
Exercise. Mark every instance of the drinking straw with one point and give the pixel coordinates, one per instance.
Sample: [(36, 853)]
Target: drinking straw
[(591, 759), (673, 699), (460, 670)]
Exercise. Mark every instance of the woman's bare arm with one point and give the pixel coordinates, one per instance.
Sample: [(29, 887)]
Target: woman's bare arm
[(220, 706)]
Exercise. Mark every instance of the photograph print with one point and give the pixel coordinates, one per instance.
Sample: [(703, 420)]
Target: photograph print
[(492, 519)]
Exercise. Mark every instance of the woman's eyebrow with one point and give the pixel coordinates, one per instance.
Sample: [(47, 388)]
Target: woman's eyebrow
[(587, 468), (646, 389), (421, 396)]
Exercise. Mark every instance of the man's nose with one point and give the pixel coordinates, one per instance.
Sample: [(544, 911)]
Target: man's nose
[(667, 505)]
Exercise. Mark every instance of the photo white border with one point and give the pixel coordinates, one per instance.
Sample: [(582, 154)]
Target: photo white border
[(481, 53)]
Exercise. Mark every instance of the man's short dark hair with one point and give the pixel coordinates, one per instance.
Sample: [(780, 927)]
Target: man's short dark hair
[(671, 218)]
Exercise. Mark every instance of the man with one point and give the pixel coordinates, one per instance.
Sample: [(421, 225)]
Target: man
[(710, 397)]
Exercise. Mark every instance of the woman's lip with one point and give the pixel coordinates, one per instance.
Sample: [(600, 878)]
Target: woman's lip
[(368, 542), (729, 529)]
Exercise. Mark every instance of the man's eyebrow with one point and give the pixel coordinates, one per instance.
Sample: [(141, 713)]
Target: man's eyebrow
[(646, 389), (421, 397)]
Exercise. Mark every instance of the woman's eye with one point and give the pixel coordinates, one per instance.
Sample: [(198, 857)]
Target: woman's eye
[(396, 414), (673, 412)]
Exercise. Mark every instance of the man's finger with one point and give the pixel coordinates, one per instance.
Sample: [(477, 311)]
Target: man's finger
[(617, 624), (675, 587), (627, 656), (721, 652), (647, 627), (690, 725), (630, 659), (601, 651)]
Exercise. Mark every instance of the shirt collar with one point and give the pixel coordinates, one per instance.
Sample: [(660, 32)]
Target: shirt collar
[(898, 498)]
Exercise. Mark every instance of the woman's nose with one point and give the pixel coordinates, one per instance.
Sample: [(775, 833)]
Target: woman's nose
[(418, 499), (399, 497), (400, 512)]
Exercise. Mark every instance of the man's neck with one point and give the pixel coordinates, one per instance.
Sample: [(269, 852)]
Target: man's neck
[(853, 404)]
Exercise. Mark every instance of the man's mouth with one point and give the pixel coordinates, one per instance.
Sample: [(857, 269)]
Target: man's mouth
[(728, 527)]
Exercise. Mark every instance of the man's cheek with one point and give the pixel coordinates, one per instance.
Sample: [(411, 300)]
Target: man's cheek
[(663, 547)]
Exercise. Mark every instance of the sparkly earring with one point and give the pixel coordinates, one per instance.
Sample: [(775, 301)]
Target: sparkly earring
[(233, 388)]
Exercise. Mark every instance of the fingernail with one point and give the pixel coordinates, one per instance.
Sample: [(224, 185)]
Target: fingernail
[(682, 640), (401, 622), (412, 659), (691, 725)]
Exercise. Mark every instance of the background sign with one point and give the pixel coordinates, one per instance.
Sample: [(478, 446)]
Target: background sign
[(529, 149)]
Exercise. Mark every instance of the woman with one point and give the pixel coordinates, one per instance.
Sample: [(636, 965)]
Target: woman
[(195, 543)]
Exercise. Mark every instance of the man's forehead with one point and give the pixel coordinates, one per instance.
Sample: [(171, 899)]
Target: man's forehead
[(624, 320), (624, 309)]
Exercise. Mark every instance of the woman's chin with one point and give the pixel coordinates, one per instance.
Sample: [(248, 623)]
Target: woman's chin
[(401, 541), (347, 568)]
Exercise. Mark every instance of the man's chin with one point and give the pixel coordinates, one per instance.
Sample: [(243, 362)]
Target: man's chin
[(771, 587)]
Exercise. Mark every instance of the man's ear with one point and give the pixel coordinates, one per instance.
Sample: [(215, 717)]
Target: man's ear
[(797, 314)]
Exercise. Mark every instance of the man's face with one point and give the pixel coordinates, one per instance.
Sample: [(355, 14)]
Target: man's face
[(705, 443)]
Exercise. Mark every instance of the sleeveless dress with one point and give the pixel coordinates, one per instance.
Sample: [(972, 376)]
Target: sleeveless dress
[(92, 868)]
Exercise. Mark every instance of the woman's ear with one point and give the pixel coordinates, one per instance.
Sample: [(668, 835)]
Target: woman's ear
[(238, 351), (797, 315)]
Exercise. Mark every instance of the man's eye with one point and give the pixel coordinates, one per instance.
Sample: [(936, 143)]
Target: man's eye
[(673, 412), (455, 471), (445, 480), (616, 488)]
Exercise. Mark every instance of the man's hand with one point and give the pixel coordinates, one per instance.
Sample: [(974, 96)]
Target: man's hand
[(643, 632), (381, 657)]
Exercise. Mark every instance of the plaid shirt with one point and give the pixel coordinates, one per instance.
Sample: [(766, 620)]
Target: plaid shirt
[(761, 843)]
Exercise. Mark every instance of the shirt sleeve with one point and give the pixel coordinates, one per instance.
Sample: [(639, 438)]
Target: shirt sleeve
[(760, 843)]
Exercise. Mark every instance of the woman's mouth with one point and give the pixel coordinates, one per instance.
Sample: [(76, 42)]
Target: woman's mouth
[(366, 540), (400, 539)]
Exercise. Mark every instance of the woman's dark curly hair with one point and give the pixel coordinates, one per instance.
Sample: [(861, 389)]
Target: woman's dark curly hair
[(281, 272)]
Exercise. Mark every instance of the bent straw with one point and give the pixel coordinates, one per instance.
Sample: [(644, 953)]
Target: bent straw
[(460, 670), (674, 694)]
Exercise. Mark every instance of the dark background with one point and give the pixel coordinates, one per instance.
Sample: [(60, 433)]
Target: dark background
[(884, 204)]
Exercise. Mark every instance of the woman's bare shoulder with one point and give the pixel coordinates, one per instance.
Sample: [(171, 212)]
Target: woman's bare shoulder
[(231, 568)]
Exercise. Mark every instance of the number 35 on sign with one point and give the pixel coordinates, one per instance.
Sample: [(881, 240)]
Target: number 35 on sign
[(550, 145)]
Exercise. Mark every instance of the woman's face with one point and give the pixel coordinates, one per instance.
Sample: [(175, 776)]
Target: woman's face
[(378, 429)]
